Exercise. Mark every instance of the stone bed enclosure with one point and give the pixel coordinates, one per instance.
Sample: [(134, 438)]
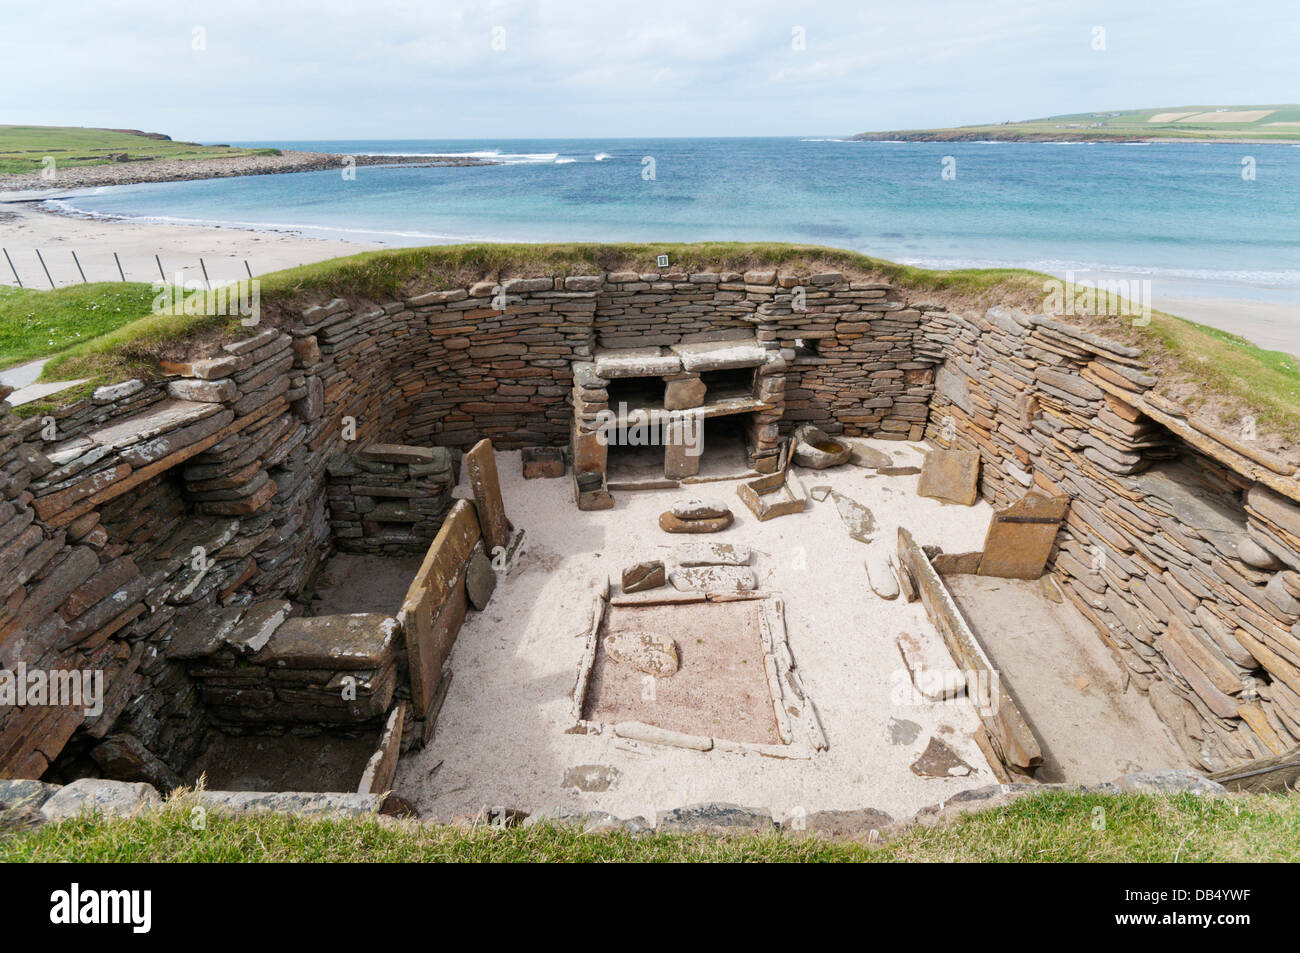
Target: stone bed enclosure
[(164, 532)]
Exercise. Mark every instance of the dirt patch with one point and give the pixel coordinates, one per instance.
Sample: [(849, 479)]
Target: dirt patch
[(282, 763), (357, 583), (720, 689)]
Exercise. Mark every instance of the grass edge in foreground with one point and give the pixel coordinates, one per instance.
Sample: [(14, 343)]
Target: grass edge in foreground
[(1055, 826)]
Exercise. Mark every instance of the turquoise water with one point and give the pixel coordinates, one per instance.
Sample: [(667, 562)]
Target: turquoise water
[(1170, 210)]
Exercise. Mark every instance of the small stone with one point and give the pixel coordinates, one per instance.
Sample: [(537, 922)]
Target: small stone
[(861, 455), (672, 524), (1255, 555), (644, 576), (696, 509), (713, 579), (940, 761), (480, 580), (898, 471), (590, 778), (902, 732), (647, 652), (819, 493), (684, 394)]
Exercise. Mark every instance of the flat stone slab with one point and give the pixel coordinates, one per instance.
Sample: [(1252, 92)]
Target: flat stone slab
[(636, 362), (712, 554), (716, 818), (720, 355), (396, 453), (713, 579), (951, 476), (334, 642), (161, 417), (933, 672), (857, 519), (291, 802), (647, 652), (1020, 536)]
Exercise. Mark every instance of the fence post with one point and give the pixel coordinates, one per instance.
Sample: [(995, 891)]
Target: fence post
[(206, 283), (47, 271), (119, 266), (77, 262), (12, 268), (160, 271)]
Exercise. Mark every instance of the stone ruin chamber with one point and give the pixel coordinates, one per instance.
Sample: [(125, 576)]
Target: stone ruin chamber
[(173, 532)]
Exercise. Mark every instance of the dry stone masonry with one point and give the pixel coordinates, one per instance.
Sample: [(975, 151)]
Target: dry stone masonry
[(159, 532)]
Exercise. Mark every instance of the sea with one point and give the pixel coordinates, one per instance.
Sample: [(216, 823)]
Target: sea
[(1205, 216)]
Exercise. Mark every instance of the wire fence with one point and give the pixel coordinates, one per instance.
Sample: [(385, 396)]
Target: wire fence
[(34, 268)]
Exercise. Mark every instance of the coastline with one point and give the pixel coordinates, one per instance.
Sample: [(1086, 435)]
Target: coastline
[(185, 170)]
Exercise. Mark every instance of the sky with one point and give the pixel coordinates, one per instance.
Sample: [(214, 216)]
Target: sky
[(259, 70)]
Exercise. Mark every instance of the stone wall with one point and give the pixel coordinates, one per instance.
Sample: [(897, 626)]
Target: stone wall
[(149, 506), (1182, 544)]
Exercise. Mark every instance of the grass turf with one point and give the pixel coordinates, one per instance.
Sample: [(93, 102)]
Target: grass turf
[(25, 148), (1194, 122), (115, 344), (1049, 827)]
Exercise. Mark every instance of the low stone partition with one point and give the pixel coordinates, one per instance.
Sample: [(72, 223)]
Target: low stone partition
[(435, 609), (257, 667)]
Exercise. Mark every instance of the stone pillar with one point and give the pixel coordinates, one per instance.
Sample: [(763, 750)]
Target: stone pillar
[(683, 446)]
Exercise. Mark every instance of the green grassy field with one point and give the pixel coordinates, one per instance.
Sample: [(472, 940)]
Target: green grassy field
[(1051, 827), (1281, 124), (24, 148), (115, 339)]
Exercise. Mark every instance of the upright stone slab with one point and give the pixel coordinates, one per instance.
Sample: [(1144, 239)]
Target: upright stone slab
[(1020, 537), (436, 602), (951, 476), (482, 463)]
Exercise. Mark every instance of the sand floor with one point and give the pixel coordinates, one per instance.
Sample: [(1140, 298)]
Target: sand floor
[(24, 228), (501, 740)]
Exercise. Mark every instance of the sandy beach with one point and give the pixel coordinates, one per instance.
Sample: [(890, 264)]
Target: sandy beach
[(24, 229)]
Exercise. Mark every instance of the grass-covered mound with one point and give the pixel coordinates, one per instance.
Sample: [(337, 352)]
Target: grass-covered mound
[(1197, 364), (24, 148), (1055, 826)]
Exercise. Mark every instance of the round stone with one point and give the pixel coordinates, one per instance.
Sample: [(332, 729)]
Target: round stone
[(674, 524)]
